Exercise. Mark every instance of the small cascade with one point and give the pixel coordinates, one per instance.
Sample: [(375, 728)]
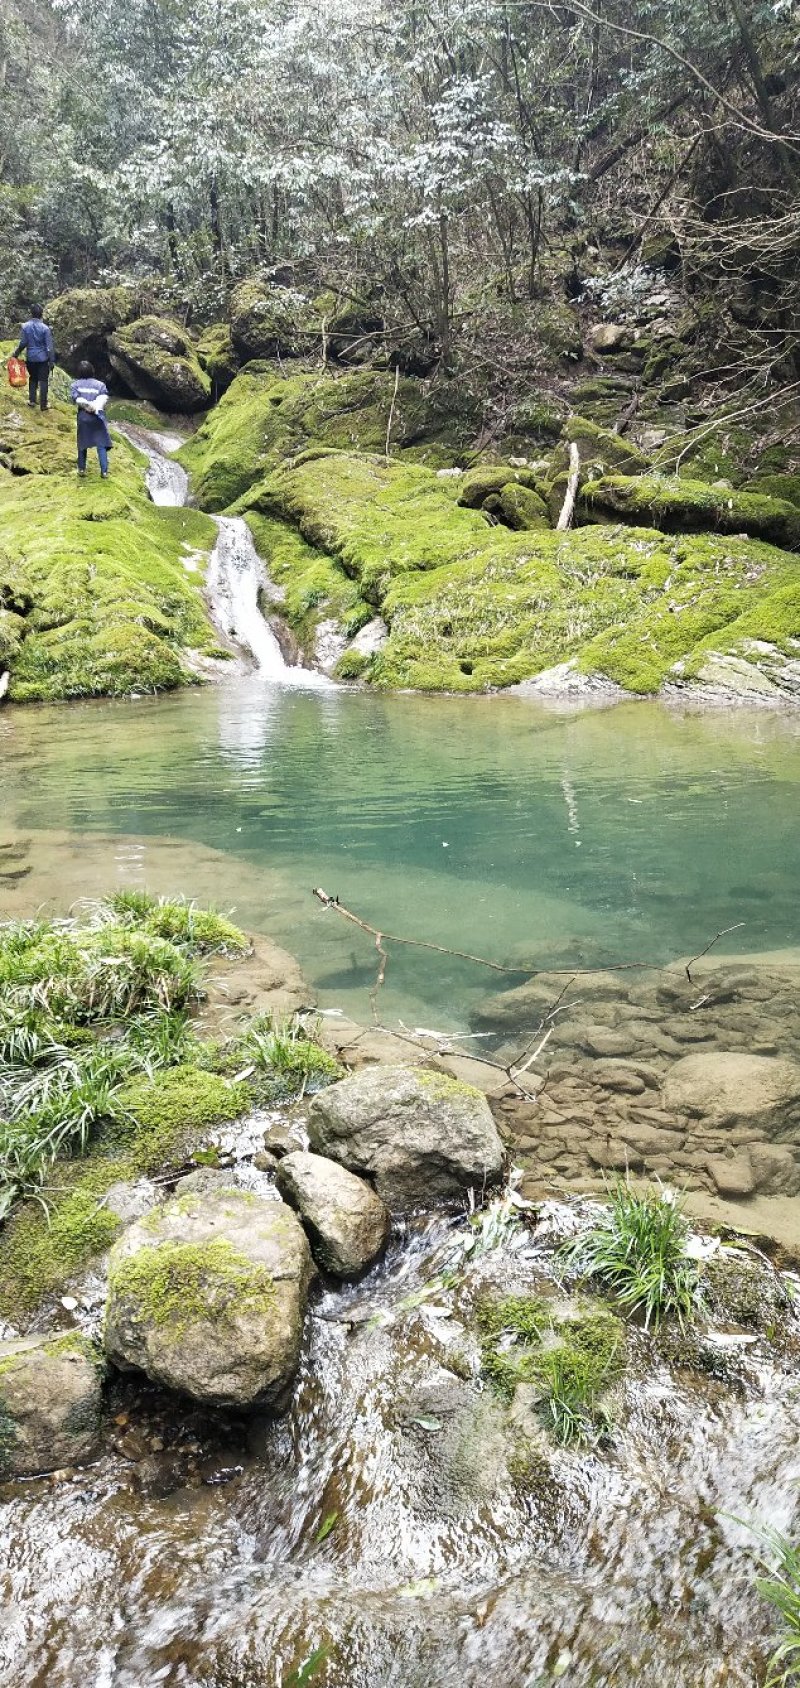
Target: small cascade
[(166, 481), (235, 570), (235, 574)]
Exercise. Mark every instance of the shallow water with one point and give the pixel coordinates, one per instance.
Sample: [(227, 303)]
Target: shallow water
[(445, 1564), (491, 825)]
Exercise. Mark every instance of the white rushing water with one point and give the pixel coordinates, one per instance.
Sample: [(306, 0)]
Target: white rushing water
[(235, 576), (236, 573)]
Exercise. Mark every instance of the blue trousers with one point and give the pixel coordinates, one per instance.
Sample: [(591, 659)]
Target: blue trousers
[(102, 453)]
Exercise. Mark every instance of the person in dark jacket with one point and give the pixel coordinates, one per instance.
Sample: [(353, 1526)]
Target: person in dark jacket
[(91, 398), (36, 341)]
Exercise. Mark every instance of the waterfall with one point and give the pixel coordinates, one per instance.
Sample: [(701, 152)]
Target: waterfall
[(235, 571)]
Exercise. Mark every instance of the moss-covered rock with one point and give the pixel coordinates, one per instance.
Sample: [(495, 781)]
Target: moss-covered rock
[(266, 418), (83, 319), (207, 1295), (602, 449), (565, 1359), (173, 1113), (690, 506), (476, 485), (49, 1404), (216, 354), (158, 361), (268, 321), (94, 595), (785, 487), (40, 1251), (521, 509)]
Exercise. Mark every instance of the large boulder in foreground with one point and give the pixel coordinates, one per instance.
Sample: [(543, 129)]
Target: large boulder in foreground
[(49, 1404), (159, 363), (208, 1294), (418, 1136), (348, 1225), (728, 1088)]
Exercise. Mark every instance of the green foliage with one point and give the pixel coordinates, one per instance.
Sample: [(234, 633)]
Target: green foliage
[(286, 1060), (179, 921), (176, 1284), (781, 1587), (638, 1253), (569, 1361)]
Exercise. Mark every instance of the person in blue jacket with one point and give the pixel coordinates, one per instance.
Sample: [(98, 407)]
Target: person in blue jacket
[(91, 398), (36, 341)]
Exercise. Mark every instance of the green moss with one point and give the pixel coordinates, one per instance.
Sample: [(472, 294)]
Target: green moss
[(743, 1290), (170, 1114), (541, 419), (104, 604), (784, 487), (178, 921), (83, 318), (569, 1361), (314, 587), (267, 418), (267, 321), (176, 1284), (217, 356), (158, 360), (521, 509), (676, 505), (477, 484), (600, 447), (444, 1088), (40, 1251)]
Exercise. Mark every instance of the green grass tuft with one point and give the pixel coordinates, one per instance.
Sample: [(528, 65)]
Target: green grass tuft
[(638, 1253), (781, 1587)]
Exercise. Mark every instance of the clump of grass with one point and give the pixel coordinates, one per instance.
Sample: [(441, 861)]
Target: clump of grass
[(781, 1587), (285, 1059), (638, 1253), (177, 919), (570, 1362)]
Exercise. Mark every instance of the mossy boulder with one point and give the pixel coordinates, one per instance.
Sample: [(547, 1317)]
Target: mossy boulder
[(268, 417), (418, 1136), (268, 321), (40, 1252), (207, 1296), (558, 329), (520, 508), (216, 355), (785, 487), (94, 594), (691, 506), (159, 363), (600, 448), (50, 1400), (477, 484), (83, 319)]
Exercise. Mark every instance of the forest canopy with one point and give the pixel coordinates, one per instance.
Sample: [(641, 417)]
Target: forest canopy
[(438, 165)]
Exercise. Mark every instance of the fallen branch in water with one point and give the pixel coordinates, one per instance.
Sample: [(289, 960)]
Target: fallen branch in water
[(710, 946)]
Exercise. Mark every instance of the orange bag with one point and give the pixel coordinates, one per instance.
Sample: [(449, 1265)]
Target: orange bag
[(17, 373)]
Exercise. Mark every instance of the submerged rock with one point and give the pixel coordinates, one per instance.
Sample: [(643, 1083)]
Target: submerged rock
[(49, 1404), (726, 1087), (419, 1136), (207, 1296), (348, 1225)]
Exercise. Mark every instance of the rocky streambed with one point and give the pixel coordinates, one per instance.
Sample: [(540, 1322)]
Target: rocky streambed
[(326, 1447)]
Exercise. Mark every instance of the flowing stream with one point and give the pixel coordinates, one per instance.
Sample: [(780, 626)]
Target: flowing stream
[(400, 1527), (236, 574)]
